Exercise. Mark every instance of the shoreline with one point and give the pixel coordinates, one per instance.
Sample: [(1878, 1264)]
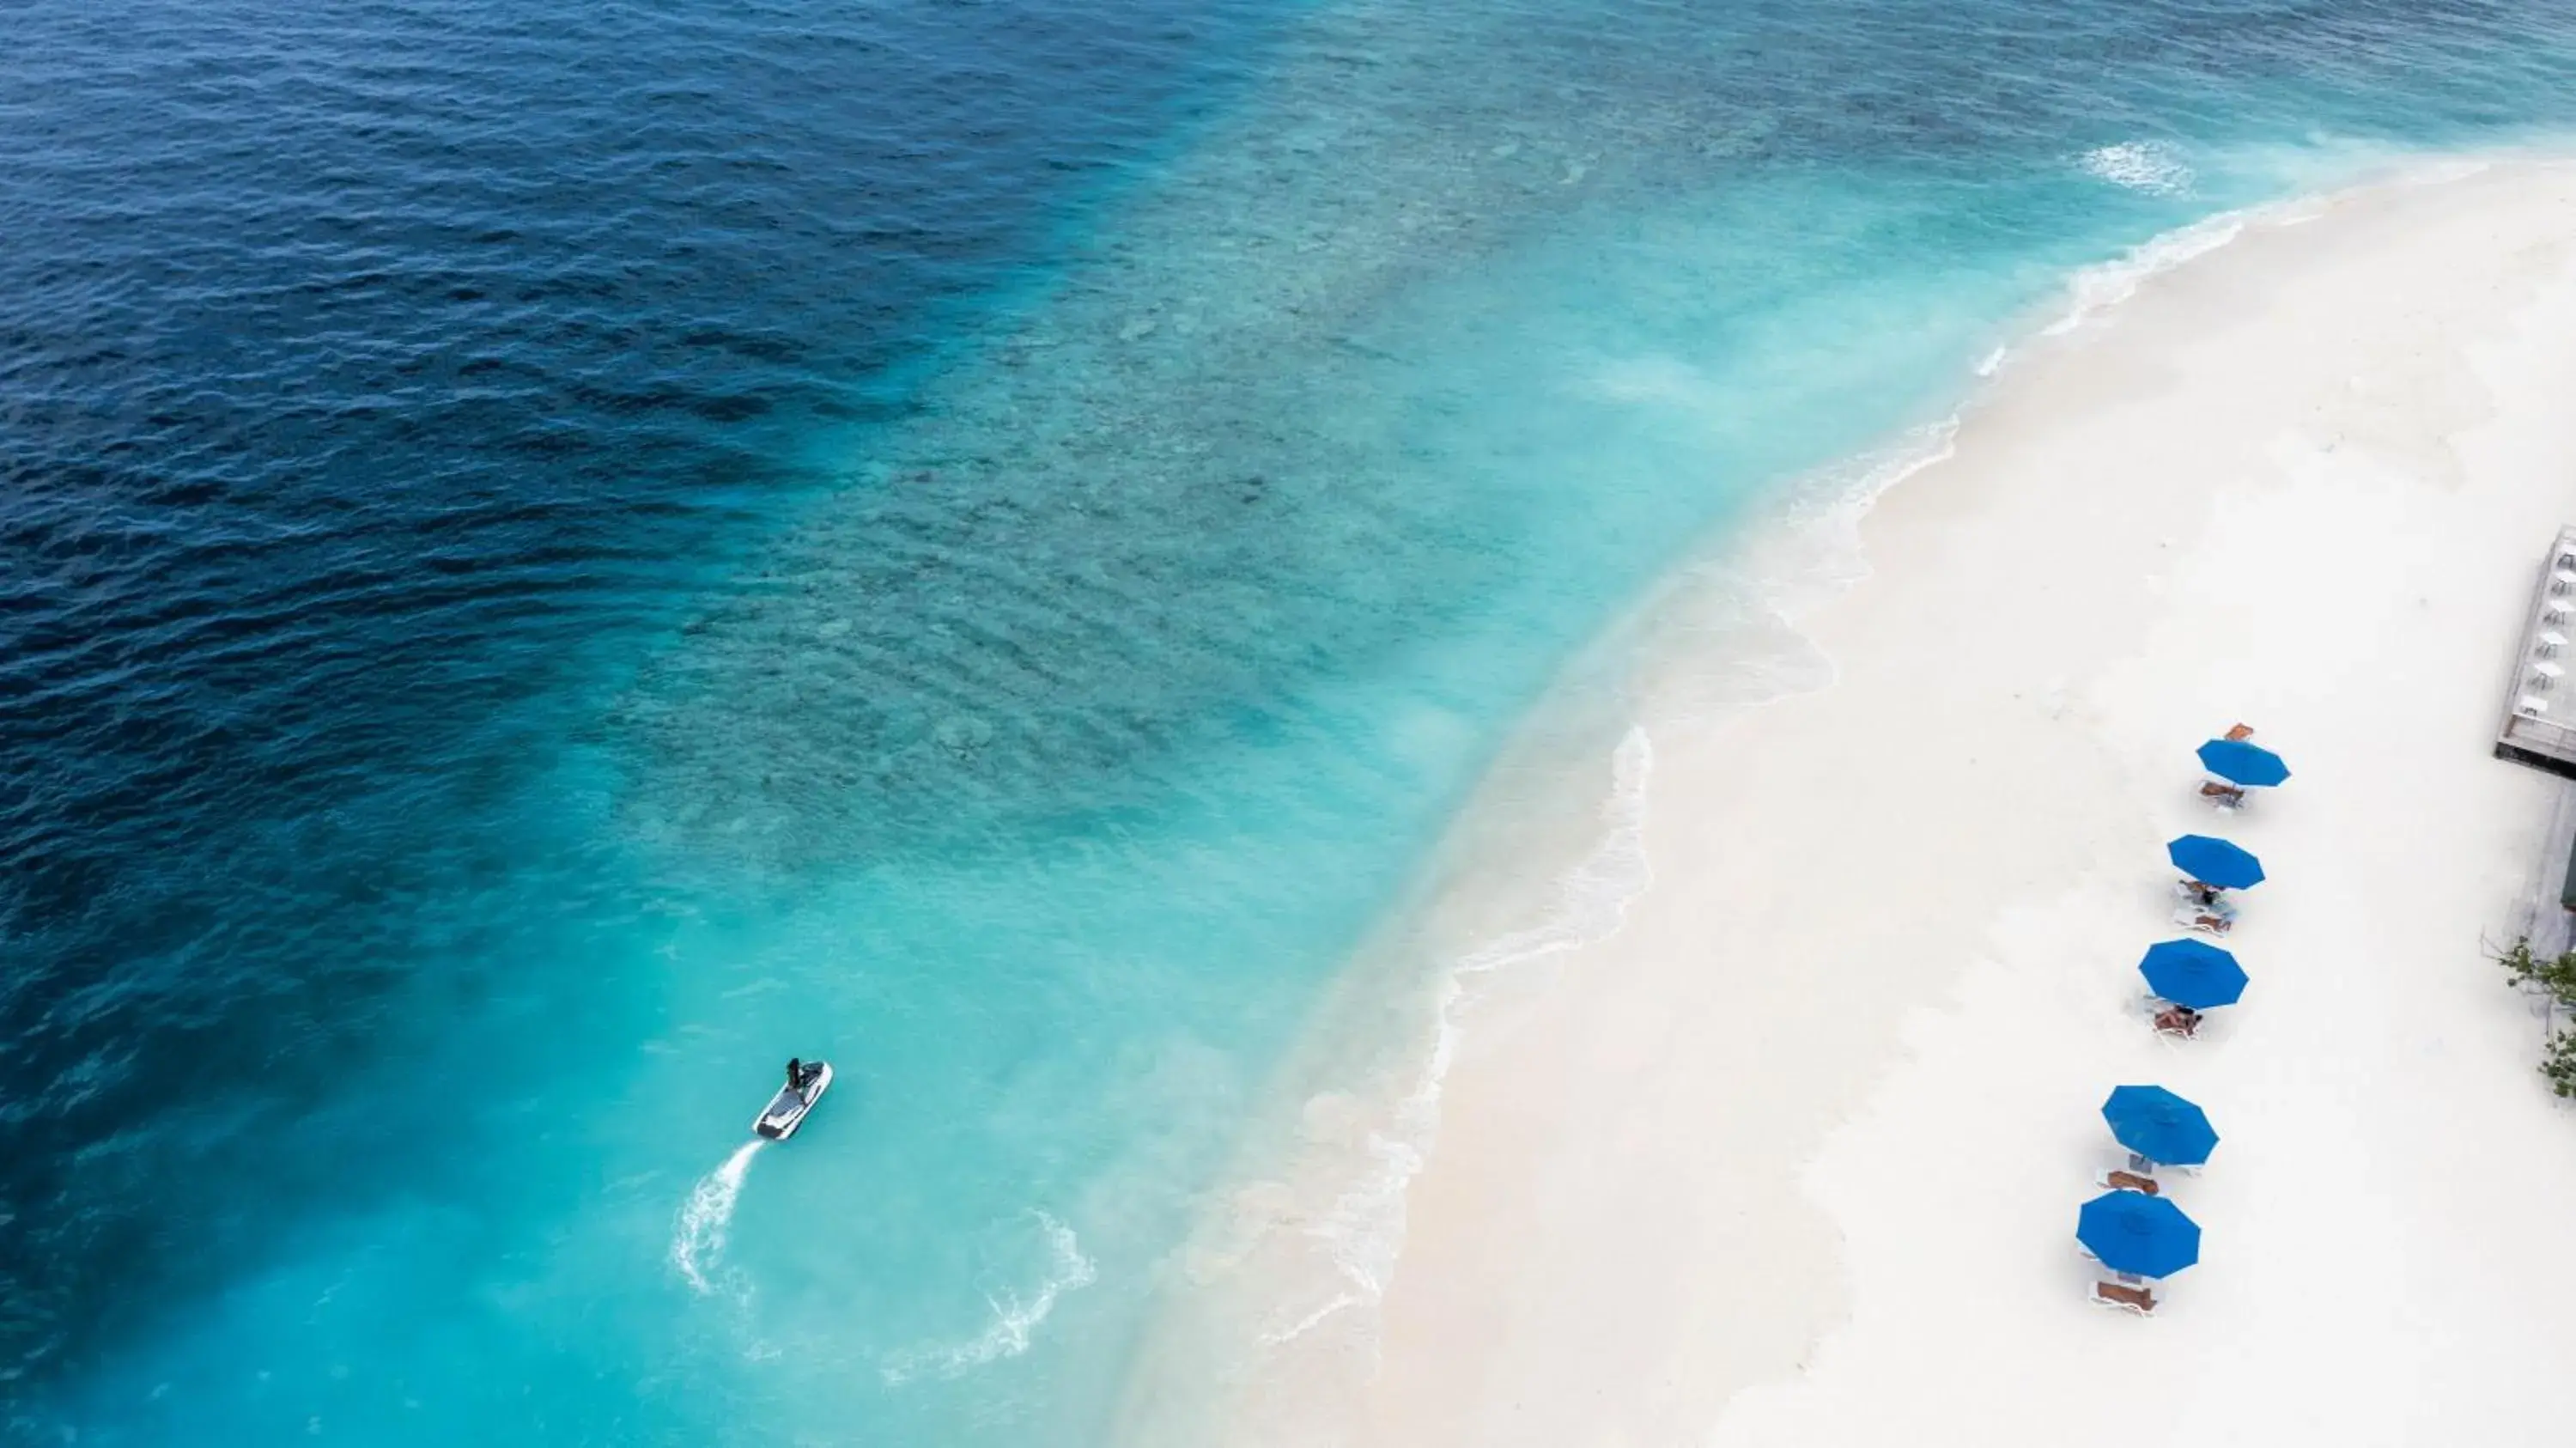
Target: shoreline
[(1532, 1080)]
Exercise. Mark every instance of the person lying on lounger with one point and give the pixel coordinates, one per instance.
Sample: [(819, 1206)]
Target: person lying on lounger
[(2230, 794), (2178, 1020), (2200, 894)]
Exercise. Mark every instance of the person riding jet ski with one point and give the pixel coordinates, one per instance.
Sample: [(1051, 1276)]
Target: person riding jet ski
[(806, 1083)]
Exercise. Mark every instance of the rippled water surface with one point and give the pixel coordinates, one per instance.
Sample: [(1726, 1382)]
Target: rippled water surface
[(554, 555)]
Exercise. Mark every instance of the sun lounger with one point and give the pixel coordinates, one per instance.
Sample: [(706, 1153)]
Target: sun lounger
[(2128, 1181), (2128, 1299), (2225, 796), (2205, 921)]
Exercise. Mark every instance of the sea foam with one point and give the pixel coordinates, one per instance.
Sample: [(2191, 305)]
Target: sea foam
[(2098, 289), (1364, 1229), (1015, 1318), (698, 1237), (2155, 167)]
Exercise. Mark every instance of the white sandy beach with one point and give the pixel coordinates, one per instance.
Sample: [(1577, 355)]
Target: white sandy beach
[(1794, 1156)]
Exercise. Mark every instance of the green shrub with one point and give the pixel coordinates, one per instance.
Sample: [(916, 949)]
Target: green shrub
[(2560, 1064), (2557, 978)]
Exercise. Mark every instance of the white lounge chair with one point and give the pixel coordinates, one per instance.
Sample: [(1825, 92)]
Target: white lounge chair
[(2207, 922)]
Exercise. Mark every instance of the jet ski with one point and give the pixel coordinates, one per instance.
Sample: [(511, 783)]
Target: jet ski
[(786, 1110)]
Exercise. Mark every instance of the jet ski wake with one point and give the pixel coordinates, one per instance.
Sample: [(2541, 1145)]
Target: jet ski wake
[(698, 1239)]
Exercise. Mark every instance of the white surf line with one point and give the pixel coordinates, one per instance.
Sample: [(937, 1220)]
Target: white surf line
[(699, 1235), (1364, 1230)]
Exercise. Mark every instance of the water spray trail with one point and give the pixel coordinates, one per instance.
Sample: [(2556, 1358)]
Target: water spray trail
[(699, 1237), (1015, 1321)]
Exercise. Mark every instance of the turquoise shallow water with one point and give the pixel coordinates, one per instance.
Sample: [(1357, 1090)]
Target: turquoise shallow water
[(556, 559)]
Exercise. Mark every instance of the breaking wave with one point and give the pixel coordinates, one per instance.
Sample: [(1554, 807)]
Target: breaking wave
[(2155, 167), (1364, 1230), (2097, 289)]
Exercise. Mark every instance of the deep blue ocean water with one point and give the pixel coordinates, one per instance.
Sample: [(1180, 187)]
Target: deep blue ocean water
[(554, 555)]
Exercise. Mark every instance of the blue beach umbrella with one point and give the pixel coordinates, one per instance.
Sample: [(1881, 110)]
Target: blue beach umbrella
[(2192, 973), (2160, 1126), (2136, 1233), (2238, 762), (2214, 862)]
